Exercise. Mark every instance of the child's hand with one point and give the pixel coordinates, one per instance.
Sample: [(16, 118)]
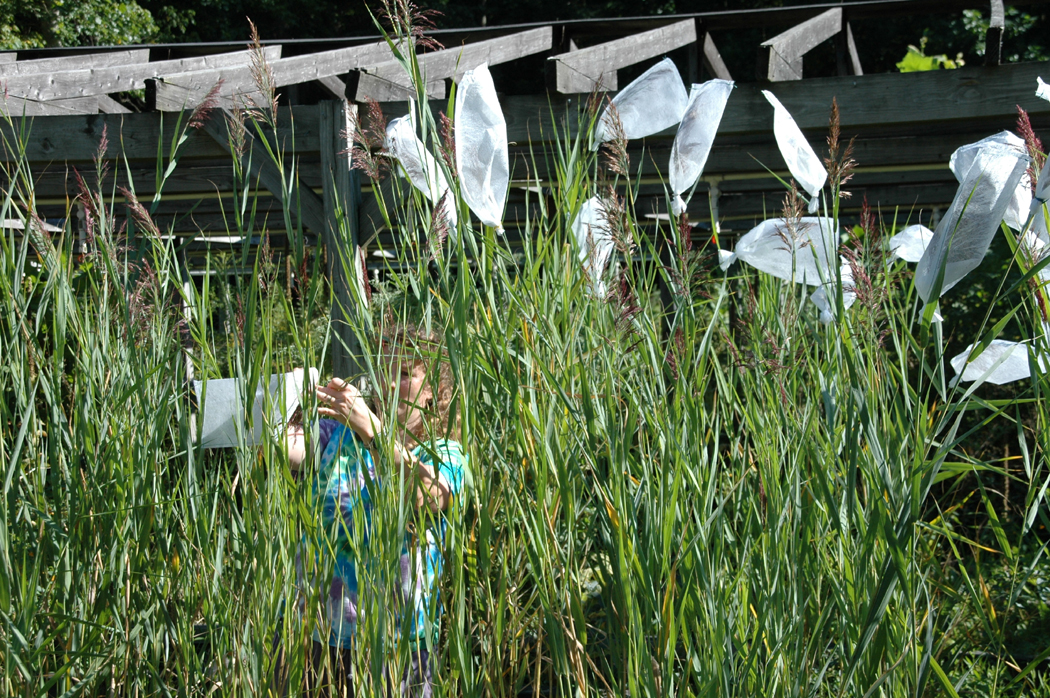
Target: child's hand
[(343, 402)]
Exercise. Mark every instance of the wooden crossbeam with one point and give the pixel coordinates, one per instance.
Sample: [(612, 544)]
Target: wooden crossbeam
[(785, 50), (593, 67), (302, 200), (8, 57), (108, 105), (107, 80), (87, 60), (388, 81), (993, 41), (713, 59), (19, 106), (186, 90)]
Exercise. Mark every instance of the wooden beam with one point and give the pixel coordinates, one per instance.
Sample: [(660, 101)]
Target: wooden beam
[(108, 105), (783, 53), (19, 106), (713, 59), (388, 81), (302, 200), (851, 48), (8, 57), (584, 70), (107, 80), (75, 139), (86, 60), (186, 90), (993, 40)]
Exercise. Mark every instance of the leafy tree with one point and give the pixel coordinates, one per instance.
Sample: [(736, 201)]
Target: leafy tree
[(40, 23)]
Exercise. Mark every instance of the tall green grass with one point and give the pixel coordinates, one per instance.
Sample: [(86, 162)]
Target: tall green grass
[(663, 503)]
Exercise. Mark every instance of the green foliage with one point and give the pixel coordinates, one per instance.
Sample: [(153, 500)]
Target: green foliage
[(916, 60), (1020, 34), (38, 23)]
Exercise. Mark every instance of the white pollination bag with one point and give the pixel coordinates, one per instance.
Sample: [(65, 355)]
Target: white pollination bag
[(1001, 362), (825, 296), (222, 403), (1040, 212), (418, 165), (965, 157), (803, 163), (966, 230), (481, 147), (911, 243), (802, 251), (593, 241), (1042, 89), (696, 134), (653, 102)]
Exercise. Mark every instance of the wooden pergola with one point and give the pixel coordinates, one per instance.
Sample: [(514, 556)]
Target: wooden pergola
[(905, 125)]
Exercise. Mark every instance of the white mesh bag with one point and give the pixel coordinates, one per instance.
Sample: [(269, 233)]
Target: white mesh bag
[(652, 103), (481, 147)]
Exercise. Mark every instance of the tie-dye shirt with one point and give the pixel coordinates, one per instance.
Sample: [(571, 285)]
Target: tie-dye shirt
[(342, 489)]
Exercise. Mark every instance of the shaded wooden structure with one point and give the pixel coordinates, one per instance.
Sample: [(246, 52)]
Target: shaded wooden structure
[(905, 125)]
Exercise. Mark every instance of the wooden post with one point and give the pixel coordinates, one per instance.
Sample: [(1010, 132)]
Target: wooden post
[(341, 196), (993, 42)]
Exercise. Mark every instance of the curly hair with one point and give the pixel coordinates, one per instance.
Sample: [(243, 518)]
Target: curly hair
[(428, 348)]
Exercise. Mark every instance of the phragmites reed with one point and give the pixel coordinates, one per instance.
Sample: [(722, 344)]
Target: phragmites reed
[(614, 150), (368, 137), (264, 80), (1033, 145), (405, 19), (840, 167), (203, 111)]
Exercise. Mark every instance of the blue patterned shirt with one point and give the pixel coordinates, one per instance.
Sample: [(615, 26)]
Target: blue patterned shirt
[(341, 489)]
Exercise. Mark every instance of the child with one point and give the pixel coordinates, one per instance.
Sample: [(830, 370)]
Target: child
[(354, 441)]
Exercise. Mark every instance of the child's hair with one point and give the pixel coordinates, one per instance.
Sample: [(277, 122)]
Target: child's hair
[(428, 348)]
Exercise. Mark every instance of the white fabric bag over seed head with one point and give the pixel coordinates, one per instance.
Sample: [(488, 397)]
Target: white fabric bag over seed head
[(594, 242), (1039, 211), (481, 147), (696, 134), (911, 243), (1042, 89), (824, 296), (653, 102), (801, 160), (802, 252), (966, 230), (965, 157), (1011, 357), (418, 164)]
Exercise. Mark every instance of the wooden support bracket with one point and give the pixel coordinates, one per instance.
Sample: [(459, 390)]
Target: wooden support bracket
[(19, 106), (595, 67), (302, 200), (713, 59), (782, 55), (993, 41), (388, 81)]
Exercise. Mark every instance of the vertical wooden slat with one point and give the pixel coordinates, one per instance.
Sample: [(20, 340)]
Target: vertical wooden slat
[(993, 43)]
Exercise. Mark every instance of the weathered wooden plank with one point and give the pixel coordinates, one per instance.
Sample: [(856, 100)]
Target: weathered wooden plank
[(583, 70), (107, 80), (108, 105), (784, 51), (302, 201), (76, 138), (18, 106), (186, 90), (8, 57), (388, 81), (105, 59), (851, 48), (993, 41), (713, 59)]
